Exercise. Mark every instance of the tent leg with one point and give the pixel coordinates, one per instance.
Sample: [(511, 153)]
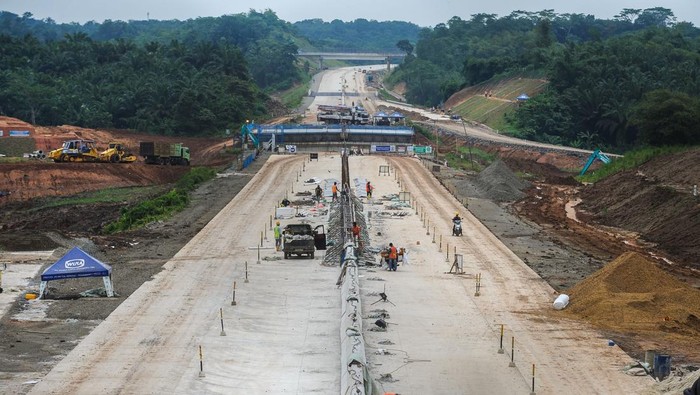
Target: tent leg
[(108, 286), (42, 289)]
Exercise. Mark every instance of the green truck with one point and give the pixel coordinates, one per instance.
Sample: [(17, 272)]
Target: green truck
[(158, 153), (301, 239)]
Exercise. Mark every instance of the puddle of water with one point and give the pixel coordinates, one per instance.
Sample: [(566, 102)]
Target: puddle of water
[(571, 210)]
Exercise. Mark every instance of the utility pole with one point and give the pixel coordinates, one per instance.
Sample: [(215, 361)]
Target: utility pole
[(437, 140), (469, 143)]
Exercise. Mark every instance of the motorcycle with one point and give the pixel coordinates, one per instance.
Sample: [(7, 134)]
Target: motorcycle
[(457, 227)]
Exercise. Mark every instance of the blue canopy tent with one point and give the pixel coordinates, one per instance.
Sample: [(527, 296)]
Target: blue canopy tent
[(77, 264), (381, 118), (397, 116)]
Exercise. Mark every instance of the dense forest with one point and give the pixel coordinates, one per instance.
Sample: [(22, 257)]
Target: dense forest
[(195, 76), (615, 83), (191, 77), (170, 88), (359, 35)]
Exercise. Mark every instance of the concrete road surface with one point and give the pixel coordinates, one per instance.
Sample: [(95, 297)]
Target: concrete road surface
[(283, 334), (339, 81)]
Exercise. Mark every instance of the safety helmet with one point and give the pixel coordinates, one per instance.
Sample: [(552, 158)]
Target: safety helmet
[(278, 222), (457, 214)]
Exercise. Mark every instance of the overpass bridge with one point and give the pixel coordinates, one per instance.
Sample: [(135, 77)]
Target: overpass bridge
[(385, 57), (331, 137)]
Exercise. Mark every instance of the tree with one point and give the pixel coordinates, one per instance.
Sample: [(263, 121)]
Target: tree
[(665, 117), (655, 17), (405, 46)]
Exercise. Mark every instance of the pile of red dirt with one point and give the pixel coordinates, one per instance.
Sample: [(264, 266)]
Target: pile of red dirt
[(8, 123), (26, 180), (632, 295)]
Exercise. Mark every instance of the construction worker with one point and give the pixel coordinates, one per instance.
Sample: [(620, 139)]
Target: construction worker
[(356, 233), (393, 257), (334, 189), (278, 236), (319, 192), (369, 187)]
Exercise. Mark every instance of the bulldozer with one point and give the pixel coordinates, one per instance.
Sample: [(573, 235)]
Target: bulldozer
[(117, 153), (85, 151), (75, 151)]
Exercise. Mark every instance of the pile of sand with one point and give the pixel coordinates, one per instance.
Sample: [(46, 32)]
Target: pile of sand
[(497, 182), (632, 294)]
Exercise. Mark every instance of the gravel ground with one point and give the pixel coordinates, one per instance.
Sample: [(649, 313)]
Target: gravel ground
[(28, 348)]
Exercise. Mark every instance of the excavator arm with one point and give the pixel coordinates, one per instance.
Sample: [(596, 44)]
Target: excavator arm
[(595, 155), (247, 131)]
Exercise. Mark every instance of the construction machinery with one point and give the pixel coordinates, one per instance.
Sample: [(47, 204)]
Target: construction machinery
[(75, 151), (117, 153), (247, 133), (301, 239), (595, 155), (159, 153), (85, 151)]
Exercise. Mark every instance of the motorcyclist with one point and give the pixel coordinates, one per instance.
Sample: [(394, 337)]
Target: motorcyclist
[(456, 222)]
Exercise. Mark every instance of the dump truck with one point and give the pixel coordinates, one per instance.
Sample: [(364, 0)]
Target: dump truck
[(301, 239), (76, 151), (157, 153), (117, 153)]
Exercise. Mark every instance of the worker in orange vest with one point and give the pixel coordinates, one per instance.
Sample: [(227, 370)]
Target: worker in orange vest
[(356, 236), (334, 189), (393, 257), (356, 232)]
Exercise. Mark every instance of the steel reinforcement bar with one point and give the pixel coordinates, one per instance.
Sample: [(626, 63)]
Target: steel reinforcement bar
[(355, 377)]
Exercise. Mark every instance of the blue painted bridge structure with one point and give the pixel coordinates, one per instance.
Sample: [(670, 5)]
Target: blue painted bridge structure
[(333, 134)]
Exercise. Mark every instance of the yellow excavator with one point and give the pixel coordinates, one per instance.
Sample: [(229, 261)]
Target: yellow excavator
[(85, 151)]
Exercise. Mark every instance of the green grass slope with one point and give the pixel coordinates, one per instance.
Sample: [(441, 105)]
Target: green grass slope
[(489, 101)]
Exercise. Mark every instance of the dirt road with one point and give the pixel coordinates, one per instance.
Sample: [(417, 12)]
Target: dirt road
[(567, 354)]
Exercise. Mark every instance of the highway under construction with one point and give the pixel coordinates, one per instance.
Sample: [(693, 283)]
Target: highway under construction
[(224, 312), (293, 329)]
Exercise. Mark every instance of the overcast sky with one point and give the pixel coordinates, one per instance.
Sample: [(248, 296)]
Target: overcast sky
[(420, 12)]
